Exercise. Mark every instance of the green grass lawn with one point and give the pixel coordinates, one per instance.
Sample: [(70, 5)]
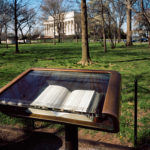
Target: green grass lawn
[(133, 62)]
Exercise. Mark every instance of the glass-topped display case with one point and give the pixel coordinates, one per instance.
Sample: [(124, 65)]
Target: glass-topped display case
[(86, 98)]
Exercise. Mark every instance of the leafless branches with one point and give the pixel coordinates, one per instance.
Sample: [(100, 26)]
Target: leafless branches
[(56, 9)]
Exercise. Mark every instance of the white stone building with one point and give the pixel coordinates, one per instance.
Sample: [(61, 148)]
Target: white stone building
[(69, 23)]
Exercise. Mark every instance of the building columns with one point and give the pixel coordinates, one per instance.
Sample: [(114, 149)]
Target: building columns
[(69, 28)]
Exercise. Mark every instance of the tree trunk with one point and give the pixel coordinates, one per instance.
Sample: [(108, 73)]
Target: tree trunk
[(119, 34), (63, 26), (85, 46), (149, 39), (115, 40), (30, 37), (129, 28), (54, 42), (16, 28), (59, 33), (147, 20), (59, 29), (94, 35), (76, 33), (6, 36), (76, 38), (103, 27), (144, 13), (22, 35), (110, 35), (0, 35)]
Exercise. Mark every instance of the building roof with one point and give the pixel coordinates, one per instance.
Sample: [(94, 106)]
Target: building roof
[(66, 15)]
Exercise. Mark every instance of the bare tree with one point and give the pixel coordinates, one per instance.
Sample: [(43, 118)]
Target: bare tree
[(103, 25), (145, 14), (55, 9), (4, 17), (129, 6), (94, 28), (115, 14), (16, 7), (1, 20), (85, 60), (142, 17), (77, 26), (60, 25), (16, 23), (129, 23), (27, 21), (31, 21), (99, 10), (112, 26), (120, 8), (85, 46), (20, 13), (120, 14)]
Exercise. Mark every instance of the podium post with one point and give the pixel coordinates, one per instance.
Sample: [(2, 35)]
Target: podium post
[(71, 137)]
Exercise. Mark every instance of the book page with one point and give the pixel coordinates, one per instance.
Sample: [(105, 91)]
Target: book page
[(95, 106), (51, 97), (59, 114), (78, 100)]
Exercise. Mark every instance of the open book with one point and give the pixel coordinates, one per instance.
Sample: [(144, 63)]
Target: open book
[(60, 99)]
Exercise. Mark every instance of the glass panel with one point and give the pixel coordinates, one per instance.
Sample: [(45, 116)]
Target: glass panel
[(31, 85)]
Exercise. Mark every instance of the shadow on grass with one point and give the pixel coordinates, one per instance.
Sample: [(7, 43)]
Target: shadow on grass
[(140, 45), (132, 60), (144, 141), (35, 54), (144, 90)]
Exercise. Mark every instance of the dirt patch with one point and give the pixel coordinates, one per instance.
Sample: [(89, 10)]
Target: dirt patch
[(53, 139)]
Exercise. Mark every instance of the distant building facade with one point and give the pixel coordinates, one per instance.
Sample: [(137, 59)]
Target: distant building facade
[(68, 24), (11, 40)]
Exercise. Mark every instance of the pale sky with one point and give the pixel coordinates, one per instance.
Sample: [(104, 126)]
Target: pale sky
[(37, 3)]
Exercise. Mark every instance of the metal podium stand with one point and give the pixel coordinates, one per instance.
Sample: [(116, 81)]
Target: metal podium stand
[(16, 97)]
